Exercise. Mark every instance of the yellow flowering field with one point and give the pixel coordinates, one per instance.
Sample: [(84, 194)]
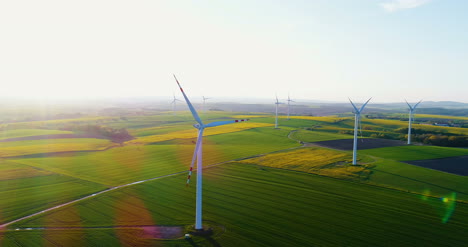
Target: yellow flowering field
[(403, 124), (327, 119), (322, 161), (192, 132), (439, 116)]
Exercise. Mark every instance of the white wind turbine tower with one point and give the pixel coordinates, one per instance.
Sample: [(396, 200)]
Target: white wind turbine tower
[(174, 104), (357, 119), (197, 154), (204, 101), (276, 119), (289, 100), (411, 111)]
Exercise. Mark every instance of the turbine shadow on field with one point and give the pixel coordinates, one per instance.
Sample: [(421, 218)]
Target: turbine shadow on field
[(209, 239)]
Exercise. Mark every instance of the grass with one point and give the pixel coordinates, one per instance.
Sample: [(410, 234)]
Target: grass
[(406, 153), (262, 207)]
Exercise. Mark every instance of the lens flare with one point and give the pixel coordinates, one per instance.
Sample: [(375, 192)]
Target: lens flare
[(449, 203), (445, 205)]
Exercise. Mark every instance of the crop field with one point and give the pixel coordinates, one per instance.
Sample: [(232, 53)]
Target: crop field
[(291, 208), (56, 122), (21, 148), (363, 143), (283, 122), (328, 119), (404, 124), (192, 133), (25, 190), (317, 136), (440, 117), (406, 153), (15, 133), (419, 180), (132, 163), (322, 161), (271, 190)]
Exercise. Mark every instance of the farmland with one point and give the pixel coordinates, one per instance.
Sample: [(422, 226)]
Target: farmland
[(305, 206), (265, 187)]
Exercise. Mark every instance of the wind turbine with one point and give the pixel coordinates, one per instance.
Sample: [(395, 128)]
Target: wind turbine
[(289, 100), (357, 119), (276, 119), (204, 99), (174, 103), (197, 154), (411, 111)]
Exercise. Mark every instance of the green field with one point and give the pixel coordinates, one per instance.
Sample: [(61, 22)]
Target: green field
[(279, 208), (26, 190), (406, 153), (317, 136), (272, 192), (6, 134), (21, 148)]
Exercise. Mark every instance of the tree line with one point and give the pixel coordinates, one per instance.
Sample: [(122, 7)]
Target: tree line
[(114, 135)]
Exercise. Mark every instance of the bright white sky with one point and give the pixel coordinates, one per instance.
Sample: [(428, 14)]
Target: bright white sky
[(313, 49)]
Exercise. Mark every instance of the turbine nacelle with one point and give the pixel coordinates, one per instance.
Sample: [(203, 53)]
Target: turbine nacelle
[(412, 108)]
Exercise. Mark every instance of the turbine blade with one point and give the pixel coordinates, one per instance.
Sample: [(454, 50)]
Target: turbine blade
[(414, 107), (194, 157), (218, 123), (410, 107), (192, 109), (354, 106), (362, 107)]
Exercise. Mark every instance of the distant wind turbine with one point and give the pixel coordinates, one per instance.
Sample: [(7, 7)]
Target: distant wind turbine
[(357, 119), (411, 112), (289, 100), (197, 154), (174, 103), (276, 119), (204, 100)]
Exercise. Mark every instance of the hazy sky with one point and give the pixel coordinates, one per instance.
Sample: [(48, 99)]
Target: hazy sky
[(313, 49)]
